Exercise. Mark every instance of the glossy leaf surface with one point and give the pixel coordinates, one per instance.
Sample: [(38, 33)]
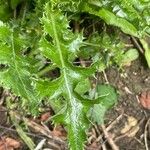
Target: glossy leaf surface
[(63, 46)]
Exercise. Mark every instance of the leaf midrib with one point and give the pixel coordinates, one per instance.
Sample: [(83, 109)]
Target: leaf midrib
[(72, 99), (61, 57)]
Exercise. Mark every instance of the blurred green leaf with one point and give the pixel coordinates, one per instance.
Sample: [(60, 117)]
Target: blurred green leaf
[(5, 11), (82, 87), (97, 112), (132, 17), (147, 51), (111, 19), (129, 56)]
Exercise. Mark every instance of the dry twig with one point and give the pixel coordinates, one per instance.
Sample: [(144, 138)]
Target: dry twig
[(137, 45), (109, 139), (111, 126), (145, 134)]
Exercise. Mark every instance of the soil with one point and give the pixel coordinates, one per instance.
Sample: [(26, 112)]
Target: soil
[(129, 82)]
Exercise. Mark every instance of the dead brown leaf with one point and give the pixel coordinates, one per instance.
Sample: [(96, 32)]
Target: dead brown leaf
[(94, 145), (7, 143), (131, 127), (145, 99), (45, 116), (59, 131)]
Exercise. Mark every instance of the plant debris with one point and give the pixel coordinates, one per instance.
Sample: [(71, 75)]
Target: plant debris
[(7, 143), (145, 99)]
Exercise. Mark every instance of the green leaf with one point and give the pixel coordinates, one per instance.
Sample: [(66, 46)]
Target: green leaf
[(63, 45), (5, 12), (14, 3), (97, 112), (111, 19), (16, 73), (129, 56), (147, 51), (111, 97), (132, 17), (82, 87)]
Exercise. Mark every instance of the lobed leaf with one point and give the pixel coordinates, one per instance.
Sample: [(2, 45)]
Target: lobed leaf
[(62, 46), (15, 68)]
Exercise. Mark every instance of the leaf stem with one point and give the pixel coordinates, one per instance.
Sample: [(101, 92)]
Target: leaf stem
[(91, 44)]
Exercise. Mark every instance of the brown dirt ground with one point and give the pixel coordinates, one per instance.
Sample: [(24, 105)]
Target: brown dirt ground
[(130, 83)]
